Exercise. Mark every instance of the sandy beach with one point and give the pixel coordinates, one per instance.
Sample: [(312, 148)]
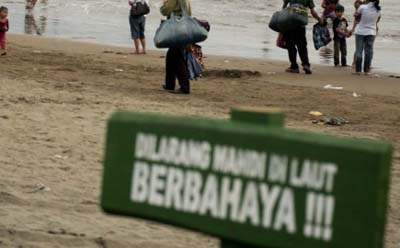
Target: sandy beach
[(55, 99)]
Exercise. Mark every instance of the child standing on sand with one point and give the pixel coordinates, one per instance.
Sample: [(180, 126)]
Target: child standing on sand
[(4, 27), (341, 32)]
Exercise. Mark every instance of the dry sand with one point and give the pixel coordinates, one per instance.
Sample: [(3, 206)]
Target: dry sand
[(55, 98)]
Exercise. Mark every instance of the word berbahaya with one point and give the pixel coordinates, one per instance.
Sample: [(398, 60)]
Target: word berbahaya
[(225, 182)]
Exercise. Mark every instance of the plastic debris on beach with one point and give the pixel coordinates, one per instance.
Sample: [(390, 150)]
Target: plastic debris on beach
[(316, 113), (334, 121), (375, 75), (62, 231), (36, 51), (226, 61), (320, 118), (60, 157), (331, 87), (39, 187), (118, 70), (356, 95)]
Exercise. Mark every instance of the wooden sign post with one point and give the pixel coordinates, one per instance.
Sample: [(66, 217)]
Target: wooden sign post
[(248, 181)]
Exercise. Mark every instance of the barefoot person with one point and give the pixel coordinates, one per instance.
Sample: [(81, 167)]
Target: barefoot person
[(4, 27), (137, 23), (365, 32), (296, 39), (357, 4), (176, 66)]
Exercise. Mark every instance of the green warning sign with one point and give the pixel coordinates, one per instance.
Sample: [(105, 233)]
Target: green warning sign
[(247, 183)]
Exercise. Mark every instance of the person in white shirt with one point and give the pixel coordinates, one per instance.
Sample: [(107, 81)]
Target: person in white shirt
[(366, 30), (137, 23)]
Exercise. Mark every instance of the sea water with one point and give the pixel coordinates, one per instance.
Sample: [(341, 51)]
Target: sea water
[(238, 27)]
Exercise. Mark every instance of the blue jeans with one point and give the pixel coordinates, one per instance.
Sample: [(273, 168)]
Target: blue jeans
[(364, 43)]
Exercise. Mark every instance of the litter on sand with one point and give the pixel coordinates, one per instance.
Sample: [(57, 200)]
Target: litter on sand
[(118, 70), (375, 75), (320, 118), (330, 87), (40, 187), (36, 51), (334, 121), (316, 113), (356, 95), (60, 157)]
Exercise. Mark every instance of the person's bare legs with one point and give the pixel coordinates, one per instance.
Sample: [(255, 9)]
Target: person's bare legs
[(143, 42), (136, 41), (3, 48)]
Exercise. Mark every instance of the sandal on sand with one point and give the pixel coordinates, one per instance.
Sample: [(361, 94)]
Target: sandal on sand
[(307, 69), (290, 70), (165, 88), (182, 91)]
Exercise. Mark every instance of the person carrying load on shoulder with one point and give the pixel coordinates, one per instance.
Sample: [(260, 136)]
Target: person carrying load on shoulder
[(296, 40), (173, 6), (176, 64)]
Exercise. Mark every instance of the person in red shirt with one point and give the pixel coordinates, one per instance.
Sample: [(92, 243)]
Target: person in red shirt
[(4, 27)]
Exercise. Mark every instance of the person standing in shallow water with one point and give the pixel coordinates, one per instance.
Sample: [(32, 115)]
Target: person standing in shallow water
[(176, 64), (296, 39), (366, 30), (138, 24)]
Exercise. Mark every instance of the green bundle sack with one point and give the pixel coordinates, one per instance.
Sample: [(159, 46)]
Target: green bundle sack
[(179, 31), (288, 19)]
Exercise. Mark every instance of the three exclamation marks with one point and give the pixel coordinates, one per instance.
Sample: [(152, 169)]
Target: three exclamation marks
[(319, 216)]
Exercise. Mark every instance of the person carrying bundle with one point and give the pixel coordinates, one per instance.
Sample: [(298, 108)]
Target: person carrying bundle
[(176, 65), (296, 40)]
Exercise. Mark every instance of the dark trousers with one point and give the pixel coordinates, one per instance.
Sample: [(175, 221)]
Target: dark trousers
[(340, 48), (176, 68), (297, 42)]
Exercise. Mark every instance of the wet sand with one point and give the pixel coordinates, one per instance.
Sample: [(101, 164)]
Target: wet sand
[(56, 96)]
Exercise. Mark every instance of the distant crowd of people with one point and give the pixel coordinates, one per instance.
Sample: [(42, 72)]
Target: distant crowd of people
[(365, 27), (366, 17)]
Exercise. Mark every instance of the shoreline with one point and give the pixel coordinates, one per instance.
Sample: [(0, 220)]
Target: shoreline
[(340, 77), (57, 96)]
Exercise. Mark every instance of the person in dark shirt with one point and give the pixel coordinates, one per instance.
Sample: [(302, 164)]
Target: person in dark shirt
[(329, 7), (296, 39), (341, 32)]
